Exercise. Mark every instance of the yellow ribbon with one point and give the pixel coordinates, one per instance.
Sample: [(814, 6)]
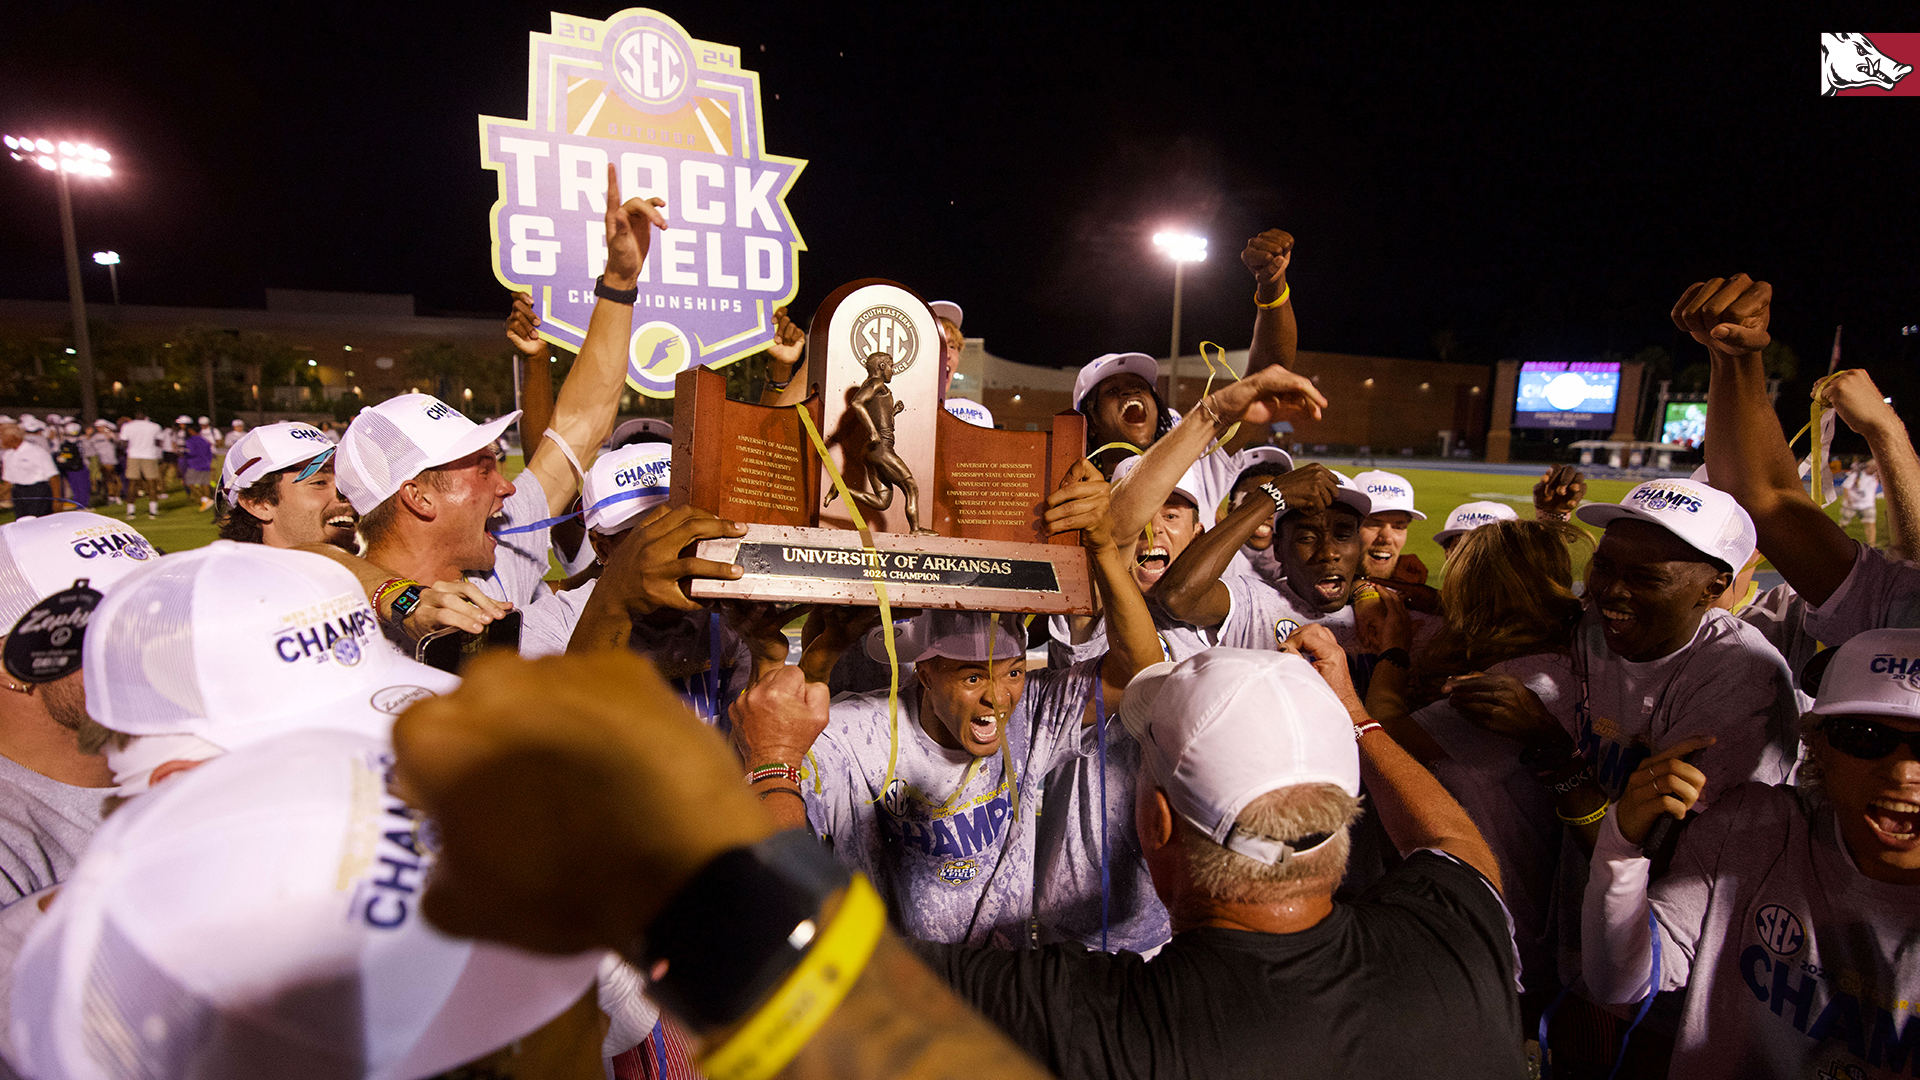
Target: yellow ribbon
[(879, 591), (1819, 430), (1212, 370)]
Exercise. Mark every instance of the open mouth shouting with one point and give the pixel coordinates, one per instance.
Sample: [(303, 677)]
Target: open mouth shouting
[(1151, 562), (985, 730), (1331, 587), (1618, 622), (1895, 823)]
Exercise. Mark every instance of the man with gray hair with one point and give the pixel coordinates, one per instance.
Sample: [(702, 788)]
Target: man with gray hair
[(1248, 785)]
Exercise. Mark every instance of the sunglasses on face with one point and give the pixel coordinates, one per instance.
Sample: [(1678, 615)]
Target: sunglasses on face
[(1867, 739)]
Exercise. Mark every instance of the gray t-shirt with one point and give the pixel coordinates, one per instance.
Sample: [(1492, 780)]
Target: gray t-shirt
[(1727, 682), (1880, 591), (950, 842), (1781, 617), (1795, 963), (1513, 810), (520, 562), (44, 828)]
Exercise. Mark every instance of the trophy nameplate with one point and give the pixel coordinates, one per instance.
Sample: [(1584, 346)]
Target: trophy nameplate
[(954, 510)]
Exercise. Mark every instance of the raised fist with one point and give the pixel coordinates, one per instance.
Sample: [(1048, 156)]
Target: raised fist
[(1267, 257), (1727, 315), (789, 341)]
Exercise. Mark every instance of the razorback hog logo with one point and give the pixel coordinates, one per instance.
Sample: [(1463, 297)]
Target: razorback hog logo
[(1848, 61)]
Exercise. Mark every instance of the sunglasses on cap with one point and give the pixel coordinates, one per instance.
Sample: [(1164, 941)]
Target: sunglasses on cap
[(1867, 739)]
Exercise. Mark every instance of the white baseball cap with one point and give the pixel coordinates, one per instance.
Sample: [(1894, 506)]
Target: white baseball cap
[(270, 448), (43, 555), (1112, 364), (72, 428), (391, 443), (1226, 726), (956, 635), (948, 310), (28, 423), (183, 419), (1271, 457), (260, 916), (1188, 485), (1469, 516), (236, 643), (239, 423), (1876, 673), (103, 422), (625, 483), (1349, 494), (1389, 492), (205, 420), (1708, 519)]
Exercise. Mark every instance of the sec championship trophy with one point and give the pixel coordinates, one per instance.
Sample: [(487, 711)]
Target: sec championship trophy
[(952, 511)]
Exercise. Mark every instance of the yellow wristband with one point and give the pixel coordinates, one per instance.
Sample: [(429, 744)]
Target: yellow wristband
[(1285, 292), (765, 1042), (1588, 820)]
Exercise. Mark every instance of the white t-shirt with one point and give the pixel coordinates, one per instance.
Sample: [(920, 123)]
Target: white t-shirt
[(971, 411), (142, 438), (1859, 489), (1795, 963), (520, 562), (1880, 591), (28, 463), (950, 843)]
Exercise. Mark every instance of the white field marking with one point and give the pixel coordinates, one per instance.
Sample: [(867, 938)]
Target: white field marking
[(593, 111), (712, 139)]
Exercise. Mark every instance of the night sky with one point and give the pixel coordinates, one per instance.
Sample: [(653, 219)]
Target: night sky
[(1540, 184)]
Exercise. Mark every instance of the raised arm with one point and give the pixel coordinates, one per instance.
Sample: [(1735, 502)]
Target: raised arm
[(1271, 394), (589, 400), (1191, 589), (1083, 503), (1412, 806), (1860, 404), (1275, 335), (576, 798), (785, 385), (1747, 454), (536, 388)]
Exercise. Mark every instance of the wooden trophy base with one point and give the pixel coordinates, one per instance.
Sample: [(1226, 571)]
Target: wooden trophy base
[(785, 564)]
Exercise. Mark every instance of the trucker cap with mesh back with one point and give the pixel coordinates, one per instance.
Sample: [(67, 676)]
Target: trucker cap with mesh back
[(391, 443), (270, 448), (237, 642), (260, 916), (41, 556)]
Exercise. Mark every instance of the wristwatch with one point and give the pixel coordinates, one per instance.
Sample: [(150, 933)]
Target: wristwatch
[(404, 603), (1279, 500), (1397, 657), (619, 296)]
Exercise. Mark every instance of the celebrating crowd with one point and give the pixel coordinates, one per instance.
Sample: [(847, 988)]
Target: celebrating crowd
[(287, 805)]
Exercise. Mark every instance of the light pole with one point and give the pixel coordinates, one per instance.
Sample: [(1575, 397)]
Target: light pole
[(1182, 248), (63, 159), (111, 260)]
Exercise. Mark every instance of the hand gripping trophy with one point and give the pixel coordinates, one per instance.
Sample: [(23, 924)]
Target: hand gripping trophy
[(873, 399)]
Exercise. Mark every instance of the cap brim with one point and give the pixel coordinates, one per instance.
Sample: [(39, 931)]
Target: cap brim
[(1445, 535), (903, 641), (1359, 500), (1604, 514), (473, 441)]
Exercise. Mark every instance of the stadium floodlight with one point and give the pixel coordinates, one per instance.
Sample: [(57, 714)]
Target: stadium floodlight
[(64, 159), (1182, 248)]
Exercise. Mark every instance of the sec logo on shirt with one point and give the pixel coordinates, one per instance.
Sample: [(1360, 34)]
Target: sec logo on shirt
[(1780, 930), (1283, 630)]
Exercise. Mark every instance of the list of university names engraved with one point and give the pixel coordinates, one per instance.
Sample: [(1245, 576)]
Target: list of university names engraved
[(765, 474), (994, 492)]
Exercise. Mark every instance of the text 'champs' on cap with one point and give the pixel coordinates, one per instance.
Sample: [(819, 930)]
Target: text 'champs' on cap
[(391, 443), (1706, 518), (41, 556)]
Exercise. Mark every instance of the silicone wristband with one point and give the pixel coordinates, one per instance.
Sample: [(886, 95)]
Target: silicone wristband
[(1588, 820), (1286, 292), (793, 1013), (619, 296)]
